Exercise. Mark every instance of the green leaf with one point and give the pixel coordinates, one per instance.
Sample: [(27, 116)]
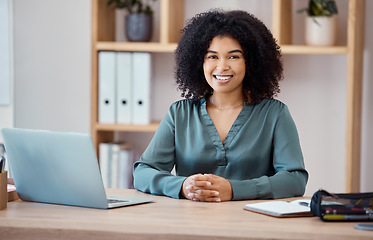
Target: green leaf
[(332, 7), (320, 8)]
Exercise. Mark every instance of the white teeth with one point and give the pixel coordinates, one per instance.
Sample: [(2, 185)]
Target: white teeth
[(222, 78)]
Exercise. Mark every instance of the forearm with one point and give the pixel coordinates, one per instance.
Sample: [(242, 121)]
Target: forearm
[(150, 180), (281, 185)]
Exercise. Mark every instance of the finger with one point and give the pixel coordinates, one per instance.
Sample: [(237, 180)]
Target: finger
[(206, 193), (193, 189), (201, 183), (211, 199), (196, 176), (194, 197), (191, 196), (212, 178), (200, 177), (206, 196)]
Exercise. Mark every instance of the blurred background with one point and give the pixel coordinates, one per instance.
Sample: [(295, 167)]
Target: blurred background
[(49, 49)]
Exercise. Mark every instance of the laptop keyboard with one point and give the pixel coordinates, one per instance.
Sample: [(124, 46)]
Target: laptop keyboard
[(115, 201)]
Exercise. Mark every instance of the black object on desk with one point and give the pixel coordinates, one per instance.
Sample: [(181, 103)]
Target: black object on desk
[(2, 163)]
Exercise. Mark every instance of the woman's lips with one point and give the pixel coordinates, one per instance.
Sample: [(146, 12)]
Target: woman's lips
[(222, 78)]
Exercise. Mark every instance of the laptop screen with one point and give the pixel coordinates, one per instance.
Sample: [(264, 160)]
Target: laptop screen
[(55, 167)]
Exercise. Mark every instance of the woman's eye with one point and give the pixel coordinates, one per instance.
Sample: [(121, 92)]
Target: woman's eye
[(212, 57), (234, 57)]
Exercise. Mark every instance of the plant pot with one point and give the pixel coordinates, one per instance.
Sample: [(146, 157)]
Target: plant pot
[(139, 27), (321, 31)]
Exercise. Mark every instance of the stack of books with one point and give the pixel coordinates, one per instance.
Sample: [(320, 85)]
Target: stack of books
[(116, 162)]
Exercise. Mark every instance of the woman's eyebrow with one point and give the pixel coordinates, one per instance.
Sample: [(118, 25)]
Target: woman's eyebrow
[(233, 51)]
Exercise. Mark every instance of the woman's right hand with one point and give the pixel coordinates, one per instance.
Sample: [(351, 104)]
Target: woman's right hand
[(207, 188), (197, 188)]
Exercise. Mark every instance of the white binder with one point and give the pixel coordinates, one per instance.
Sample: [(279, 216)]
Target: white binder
[(106, 87), (124, 88), (114, 149), (103, 151), (124, 169), (141, 87), (127, 158)]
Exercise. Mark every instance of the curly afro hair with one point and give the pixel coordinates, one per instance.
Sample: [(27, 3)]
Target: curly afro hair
[(261, 52)]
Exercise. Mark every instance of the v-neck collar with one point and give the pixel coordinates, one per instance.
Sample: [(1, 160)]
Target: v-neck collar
[(214, 135)]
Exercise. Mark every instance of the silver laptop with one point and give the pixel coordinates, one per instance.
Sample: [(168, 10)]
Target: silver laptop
[(59, 168)]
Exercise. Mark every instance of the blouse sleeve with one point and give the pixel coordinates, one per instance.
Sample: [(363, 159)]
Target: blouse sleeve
[(152, 173), (290, 176)]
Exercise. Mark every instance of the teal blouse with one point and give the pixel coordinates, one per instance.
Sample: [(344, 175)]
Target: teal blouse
[(261, 155)]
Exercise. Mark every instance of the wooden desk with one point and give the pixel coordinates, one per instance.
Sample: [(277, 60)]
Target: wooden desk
[(165, 219)]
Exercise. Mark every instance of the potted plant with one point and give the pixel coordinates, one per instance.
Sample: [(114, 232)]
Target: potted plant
[(320, 22), (139, 20)]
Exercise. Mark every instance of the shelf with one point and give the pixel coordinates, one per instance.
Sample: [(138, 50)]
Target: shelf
[(152, 127), (135, 46), (172, 20), (171, 47), (302, 49)]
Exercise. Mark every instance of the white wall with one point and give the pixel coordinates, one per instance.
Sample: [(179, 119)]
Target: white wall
[(6, 72), (52, 64), (367, 128), (52, 82)]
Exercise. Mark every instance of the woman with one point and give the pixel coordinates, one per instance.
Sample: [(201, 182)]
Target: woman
[(229, 139)]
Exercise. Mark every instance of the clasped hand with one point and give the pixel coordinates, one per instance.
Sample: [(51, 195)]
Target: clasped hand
[(207, 188)]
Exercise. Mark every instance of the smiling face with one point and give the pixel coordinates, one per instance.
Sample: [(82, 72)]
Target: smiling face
[(224, 65)]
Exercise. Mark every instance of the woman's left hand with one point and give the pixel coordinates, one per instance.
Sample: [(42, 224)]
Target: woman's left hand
[(203, 186)]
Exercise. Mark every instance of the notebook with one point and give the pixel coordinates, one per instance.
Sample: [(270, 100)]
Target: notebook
[(296, 208), (58, 168)]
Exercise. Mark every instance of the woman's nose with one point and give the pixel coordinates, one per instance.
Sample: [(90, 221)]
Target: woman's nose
[(222, 65)]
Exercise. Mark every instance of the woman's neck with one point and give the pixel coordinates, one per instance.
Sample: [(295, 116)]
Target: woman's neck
[(226, 101)]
